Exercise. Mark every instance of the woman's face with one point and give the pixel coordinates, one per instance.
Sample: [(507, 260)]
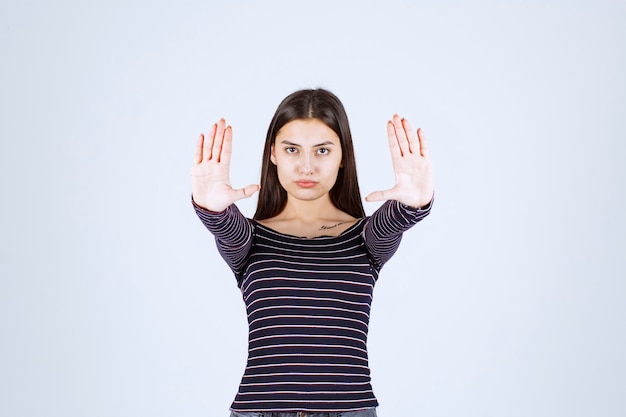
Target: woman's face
[(307, 155)]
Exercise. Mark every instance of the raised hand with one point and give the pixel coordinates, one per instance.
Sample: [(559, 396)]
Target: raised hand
[(210, 173), (411, 164)]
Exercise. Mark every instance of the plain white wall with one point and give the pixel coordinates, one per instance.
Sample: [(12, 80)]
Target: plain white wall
[(507, 301)]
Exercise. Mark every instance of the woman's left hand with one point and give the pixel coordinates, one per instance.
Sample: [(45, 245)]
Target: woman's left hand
[(411, 164)]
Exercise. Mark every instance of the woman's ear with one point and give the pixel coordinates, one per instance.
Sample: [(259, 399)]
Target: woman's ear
[(273, 156)]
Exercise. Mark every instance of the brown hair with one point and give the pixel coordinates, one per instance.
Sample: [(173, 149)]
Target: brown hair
[(322, 105)]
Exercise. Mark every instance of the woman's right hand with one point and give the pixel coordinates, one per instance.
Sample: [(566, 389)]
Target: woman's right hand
[(210, 173)]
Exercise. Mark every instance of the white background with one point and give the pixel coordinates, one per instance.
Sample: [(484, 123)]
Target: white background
[(509, 300)]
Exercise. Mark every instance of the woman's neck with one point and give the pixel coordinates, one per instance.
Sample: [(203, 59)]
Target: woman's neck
[(309, 211)]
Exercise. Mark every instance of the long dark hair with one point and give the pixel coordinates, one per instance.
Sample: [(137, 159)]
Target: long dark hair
[(322, 105)]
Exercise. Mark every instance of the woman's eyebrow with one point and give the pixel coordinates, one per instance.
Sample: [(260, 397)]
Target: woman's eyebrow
[(286, 142)]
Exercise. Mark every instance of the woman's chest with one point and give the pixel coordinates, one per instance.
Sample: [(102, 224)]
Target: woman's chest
[(334, 270)]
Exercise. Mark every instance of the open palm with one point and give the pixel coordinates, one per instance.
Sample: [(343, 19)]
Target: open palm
[(210, 173), (411, 164)]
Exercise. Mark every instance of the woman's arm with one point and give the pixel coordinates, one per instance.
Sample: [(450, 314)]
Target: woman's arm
[(233, 234), (383, 231), (410, 199), (213, 196)]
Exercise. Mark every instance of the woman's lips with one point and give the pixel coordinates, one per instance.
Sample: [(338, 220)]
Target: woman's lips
[(306, 183)]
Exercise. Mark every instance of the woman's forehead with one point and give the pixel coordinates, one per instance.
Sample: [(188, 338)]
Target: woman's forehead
[(307, 132)]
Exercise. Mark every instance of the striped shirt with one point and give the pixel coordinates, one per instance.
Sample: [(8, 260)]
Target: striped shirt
[(308, 303)]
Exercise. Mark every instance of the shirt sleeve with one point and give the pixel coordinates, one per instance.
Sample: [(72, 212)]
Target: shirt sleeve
[(383, 231), (233, 234)]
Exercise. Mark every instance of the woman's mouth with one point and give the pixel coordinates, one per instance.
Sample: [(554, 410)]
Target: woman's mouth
[(306, 183)]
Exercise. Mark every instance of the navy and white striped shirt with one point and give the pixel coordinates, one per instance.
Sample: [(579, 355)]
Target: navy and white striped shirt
[(308, 302)]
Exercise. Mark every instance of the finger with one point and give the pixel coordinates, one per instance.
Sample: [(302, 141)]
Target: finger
[(219, 139), (423, 145), (198, 154), (208, 144), (227, 146), (394, 146), (247, 191), (378, 196), (401, 135), (414, 145)]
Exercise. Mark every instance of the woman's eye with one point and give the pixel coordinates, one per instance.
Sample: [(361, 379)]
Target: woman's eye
[(323, 151), (291, 149)]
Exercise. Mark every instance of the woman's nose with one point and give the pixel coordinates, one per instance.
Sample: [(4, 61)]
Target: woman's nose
[(306, 166)]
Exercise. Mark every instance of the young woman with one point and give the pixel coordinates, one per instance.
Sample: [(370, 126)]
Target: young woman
[(307, 262)]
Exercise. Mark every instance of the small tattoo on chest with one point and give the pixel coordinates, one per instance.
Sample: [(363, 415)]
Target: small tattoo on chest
[(331, 227)]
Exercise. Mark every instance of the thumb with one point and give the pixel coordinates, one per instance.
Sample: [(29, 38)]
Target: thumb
[(376, 196), (247, 191)]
